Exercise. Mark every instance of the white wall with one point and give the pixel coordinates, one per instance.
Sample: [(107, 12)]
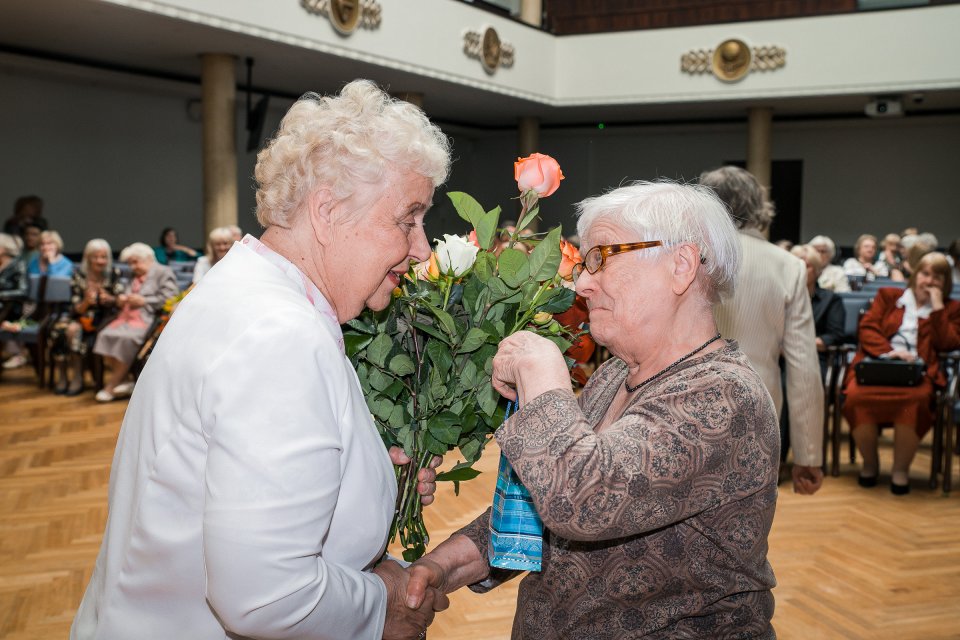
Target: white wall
[(858, 53), (119, 157)]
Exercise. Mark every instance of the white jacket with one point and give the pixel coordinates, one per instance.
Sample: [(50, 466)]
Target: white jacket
[(250, 493)]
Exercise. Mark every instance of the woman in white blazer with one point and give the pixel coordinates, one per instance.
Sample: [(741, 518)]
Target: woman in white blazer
[(250, 495)]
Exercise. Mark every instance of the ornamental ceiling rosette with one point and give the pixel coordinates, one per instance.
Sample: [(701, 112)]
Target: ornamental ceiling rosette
[(732, 60)]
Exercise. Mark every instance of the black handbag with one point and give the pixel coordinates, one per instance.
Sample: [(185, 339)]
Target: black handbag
[(890, 372)]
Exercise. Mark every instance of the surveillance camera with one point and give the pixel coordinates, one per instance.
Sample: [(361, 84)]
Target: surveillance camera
[(884, 108)]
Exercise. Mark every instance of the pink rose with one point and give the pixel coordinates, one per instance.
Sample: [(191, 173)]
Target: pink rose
[(537, 172)]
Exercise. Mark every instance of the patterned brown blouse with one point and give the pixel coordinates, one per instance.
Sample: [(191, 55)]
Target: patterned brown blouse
[(656, 527)]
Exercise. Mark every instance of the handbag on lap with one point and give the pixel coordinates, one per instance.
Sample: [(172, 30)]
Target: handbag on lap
[(890, 372)]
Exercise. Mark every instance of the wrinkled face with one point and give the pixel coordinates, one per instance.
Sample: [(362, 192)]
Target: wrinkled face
[(31, 238), (927, 279), (170, 238), (373, 247), (220, 248), (99, 260), (138, 266), (49, 250), (625, 297), (868, 250)]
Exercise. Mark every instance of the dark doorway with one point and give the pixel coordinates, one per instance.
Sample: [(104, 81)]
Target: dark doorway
[(786, 191)]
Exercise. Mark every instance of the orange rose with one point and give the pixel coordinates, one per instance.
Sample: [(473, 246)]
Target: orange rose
[(569, 256), (472, 239), (537, 172), (427, 270)]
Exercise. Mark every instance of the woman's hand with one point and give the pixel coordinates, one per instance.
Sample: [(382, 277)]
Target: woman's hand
[(106, 298), (122, 300), (402, 621), (528, 365), (90, 296), (821, 346), (187, 250), (936, 297), (427, 484), (902, 354), (135, 300)]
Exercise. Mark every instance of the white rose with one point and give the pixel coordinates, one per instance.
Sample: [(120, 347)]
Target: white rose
[(455, 255)]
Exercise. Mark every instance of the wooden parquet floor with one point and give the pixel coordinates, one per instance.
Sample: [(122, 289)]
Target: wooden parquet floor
[(851, 562)]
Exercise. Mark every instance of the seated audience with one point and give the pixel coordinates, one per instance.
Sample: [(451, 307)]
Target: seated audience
[(235, 232), (218, 243), (151, 285), (918, 322), (888, 264), (832, 278), (828, 313), (860, 266), (170, 249), (96, 286), (50, 261), (26, 210)]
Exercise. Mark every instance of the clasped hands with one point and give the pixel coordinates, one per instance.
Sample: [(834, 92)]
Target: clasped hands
[(414, 595)]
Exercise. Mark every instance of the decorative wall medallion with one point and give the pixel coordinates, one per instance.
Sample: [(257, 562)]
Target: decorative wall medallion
[(346, 15), (488, 48), (732, 60)]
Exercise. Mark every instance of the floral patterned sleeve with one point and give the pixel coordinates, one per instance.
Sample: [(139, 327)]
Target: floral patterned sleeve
[(115, 287), (701, 438), (78, 287)]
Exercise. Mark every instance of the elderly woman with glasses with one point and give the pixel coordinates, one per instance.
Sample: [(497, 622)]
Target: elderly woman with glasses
[(251, 495), (657, 485)]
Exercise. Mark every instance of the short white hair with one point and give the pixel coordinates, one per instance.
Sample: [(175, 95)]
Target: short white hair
[(345, 143), (675, 214), (824, 241), (138, 250), (97, 244), (8, 245)]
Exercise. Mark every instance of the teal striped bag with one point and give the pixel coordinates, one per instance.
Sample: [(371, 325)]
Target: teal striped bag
[(516, 532)]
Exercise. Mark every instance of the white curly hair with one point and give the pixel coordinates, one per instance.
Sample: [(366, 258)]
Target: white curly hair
[(345, 142)]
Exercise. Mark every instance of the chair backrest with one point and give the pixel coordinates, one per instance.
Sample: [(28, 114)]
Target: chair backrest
[(855, 304), (58, 290), (877, 284), (33, 287)]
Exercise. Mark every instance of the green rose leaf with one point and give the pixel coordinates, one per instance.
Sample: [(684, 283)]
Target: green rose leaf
[(378, 379), (472, 450), (431, 330), (445, 320), (487, 398), (354, 343), (458, 474), (485, 265), (487, 229), (473, 340), (560, 300), (434, 446), (402, 365), (379, 349), (467, 207), (397, 417), (514, 267), (545, 257), (363, 324), (439, 355)]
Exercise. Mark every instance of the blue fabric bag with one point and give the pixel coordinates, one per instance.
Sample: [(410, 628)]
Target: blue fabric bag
[(516, 532)]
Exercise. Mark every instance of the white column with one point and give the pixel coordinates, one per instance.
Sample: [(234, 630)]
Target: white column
[(218, 78), (760, 120), (531, 12)]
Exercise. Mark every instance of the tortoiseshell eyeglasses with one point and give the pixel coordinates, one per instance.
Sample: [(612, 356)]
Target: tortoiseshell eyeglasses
[(596, 258)]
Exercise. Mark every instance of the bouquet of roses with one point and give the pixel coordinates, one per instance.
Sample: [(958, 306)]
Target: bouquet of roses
[(425, 362)]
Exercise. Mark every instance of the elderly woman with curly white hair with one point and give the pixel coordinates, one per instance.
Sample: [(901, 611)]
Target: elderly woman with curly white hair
[(251, 495), (151, 285), (657, 485)]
